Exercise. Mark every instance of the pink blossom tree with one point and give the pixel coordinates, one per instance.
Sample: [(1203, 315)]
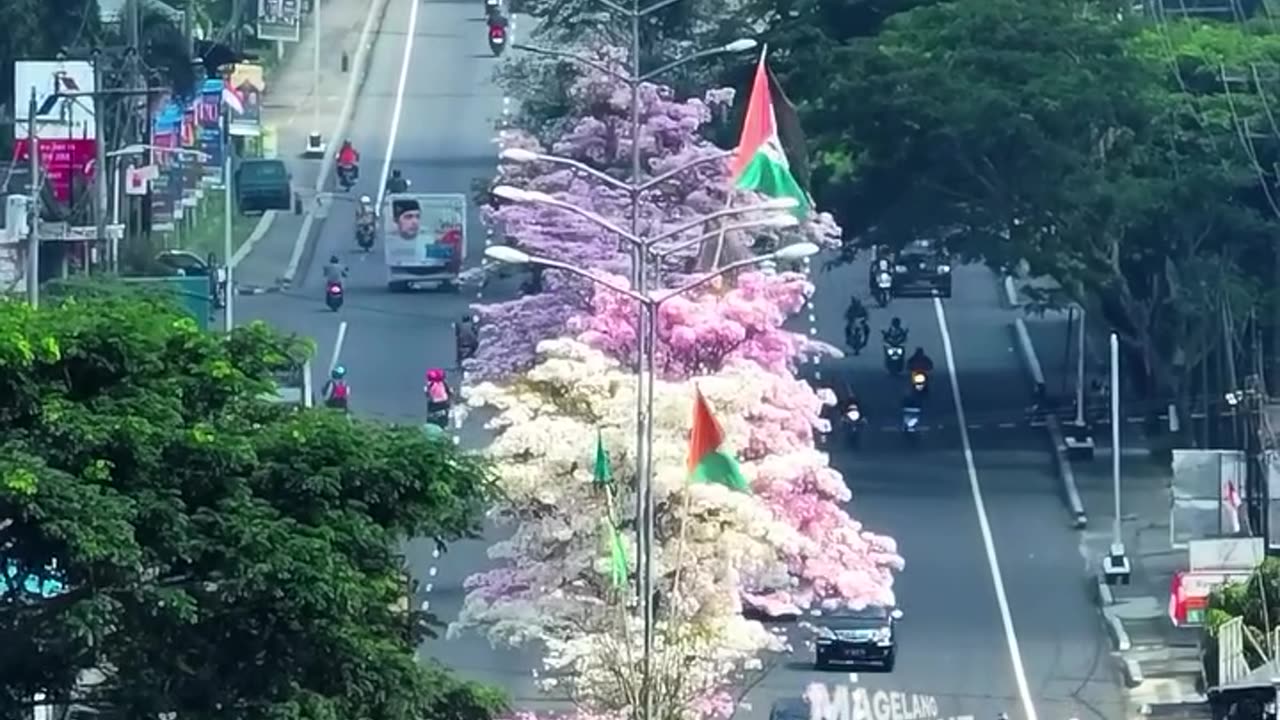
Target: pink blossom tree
[(599, 135)]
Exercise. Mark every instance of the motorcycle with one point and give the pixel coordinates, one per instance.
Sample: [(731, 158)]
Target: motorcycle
[(883, 291), (911, 423), (919, 381), (347, 177), (364, 234), (853, 422), (894, 357), (438, 415), (497, 40), (333, 296)]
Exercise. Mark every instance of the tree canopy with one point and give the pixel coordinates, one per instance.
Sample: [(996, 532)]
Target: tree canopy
[(201, 549)]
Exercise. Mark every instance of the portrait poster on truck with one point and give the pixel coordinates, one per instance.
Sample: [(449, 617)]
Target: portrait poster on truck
[(424, 238)]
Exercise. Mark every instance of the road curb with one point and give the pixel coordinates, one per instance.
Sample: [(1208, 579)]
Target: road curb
[(259, 230), (1071, 492), (359, 69), (1115, 626), (1132, 672), (256, 289)]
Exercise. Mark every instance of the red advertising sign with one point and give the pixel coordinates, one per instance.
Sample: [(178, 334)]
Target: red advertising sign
[(60, 160)]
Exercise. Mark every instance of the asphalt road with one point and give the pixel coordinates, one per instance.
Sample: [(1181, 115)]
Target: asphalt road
[(954, 638), (444, 140)]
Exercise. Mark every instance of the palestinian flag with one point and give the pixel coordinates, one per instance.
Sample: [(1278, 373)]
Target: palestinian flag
[(760, 162), (708, 461)]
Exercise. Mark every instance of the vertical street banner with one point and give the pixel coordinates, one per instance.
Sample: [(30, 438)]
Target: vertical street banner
[(192, 168), (66, 134), (248, 83), (279, 20), (166, 129), (209, 121)]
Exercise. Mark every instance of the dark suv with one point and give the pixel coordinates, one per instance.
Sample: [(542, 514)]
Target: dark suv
[(922, 268), (857, 637)]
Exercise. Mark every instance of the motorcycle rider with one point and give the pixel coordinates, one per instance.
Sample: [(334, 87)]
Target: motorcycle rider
[(919, 362), (396, 183), (349, 159), (895, 334), (335, 391), (857, 332), (464, 338), (437, 393), (334, 271), (365, 217)]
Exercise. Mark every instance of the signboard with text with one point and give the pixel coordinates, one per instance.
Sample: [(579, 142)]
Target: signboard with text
[(279, 20), (166, 130), (61, 162), (209, 123)]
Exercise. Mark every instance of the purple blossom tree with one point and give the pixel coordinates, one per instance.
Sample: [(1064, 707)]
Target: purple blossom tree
[(600, 136)]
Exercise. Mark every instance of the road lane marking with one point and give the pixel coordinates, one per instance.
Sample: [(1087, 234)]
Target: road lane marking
[(399, 101), (984, 525)]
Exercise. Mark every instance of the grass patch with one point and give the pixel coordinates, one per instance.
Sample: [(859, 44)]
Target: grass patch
[(203, 234)]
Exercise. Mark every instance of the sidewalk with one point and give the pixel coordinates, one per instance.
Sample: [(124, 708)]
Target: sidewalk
[(1159, 662), (290, 105)]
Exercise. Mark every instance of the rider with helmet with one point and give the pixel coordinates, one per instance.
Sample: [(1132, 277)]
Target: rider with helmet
[(895, 334), (396, 183), (438, 397), (348, 162), (336, 392)]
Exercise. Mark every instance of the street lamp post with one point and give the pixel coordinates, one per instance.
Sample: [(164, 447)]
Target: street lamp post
[(649, 304), (635, 77)]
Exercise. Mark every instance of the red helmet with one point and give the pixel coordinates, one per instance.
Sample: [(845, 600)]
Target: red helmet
[(435, 375)]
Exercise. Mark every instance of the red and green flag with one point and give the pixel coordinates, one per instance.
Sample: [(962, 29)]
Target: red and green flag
[(760, 162), (709, 462)]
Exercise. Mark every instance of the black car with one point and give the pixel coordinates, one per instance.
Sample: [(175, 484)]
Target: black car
[(857, 637), (923, 268), (790, 709)]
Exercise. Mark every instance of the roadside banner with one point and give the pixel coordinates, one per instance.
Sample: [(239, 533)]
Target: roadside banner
[(65, 135), (209, 118), (166, 132), (279, 20), (248, 83)]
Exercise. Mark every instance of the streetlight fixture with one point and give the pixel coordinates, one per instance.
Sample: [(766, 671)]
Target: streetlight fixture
[(639, 270), (515, 194), (521, 155), (649, 304)]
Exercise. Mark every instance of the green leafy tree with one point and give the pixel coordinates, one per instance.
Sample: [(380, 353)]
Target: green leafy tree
[(202, 550), (1048, 133)]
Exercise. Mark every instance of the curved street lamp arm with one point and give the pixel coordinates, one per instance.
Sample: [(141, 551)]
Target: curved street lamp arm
[(588, 170), (593, 217), (721, 155), (595, 280), (724, 212), (747, 262), (661, 70), (578, 59), (664, 252)]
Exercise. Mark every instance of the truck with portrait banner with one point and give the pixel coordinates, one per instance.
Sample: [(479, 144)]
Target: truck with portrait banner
[(424, 239)]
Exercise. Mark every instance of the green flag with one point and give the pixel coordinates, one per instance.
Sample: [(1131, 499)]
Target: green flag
[(603, 473), (618, 564)]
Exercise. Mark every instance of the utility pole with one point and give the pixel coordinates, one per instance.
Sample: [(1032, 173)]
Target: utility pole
[(99, 165), (228, 316), (33, 240), (1115, 565)]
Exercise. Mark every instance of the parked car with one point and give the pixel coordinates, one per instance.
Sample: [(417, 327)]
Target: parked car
[(263, 184), (863, 637), (185, 262)]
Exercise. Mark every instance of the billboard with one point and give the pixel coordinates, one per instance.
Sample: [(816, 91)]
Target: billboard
[(248, 83), (65, 135), (425, 231), (166, 132), (279, 20), (72, 118), (209, 122)]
